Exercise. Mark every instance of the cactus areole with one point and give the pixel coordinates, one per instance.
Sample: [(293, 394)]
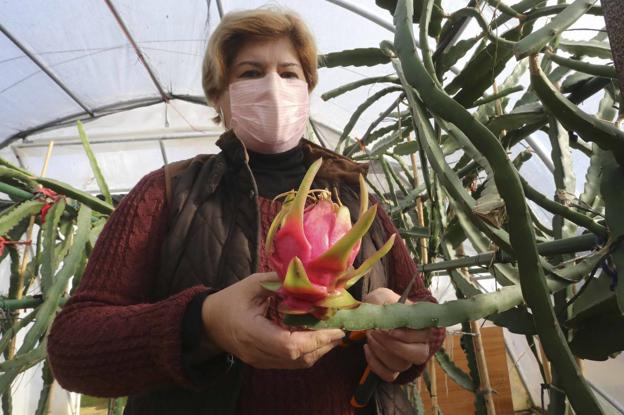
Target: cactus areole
[(312, 249)]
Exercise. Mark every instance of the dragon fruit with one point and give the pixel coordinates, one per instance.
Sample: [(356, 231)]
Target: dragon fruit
[(312, 250)]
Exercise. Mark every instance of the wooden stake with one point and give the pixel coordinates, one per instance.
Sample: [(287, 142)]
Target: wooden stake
[(484, 375), (22, 269), (498, 107), (435, 406), (545, 364), (24, 263), (424, 258), (579, 361)]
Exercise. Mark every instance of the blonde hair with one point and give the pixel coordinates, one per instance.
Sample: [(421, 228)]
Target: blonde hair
[(237, 28)]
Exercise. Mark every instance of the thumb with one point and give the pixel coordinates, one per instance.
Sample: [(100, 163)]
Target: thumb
[(263, 284), (381, 296), (261, 288)]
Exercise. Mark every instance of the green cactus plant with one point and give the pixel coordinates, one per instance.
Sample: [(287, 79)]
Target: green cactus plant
[(546, 105)]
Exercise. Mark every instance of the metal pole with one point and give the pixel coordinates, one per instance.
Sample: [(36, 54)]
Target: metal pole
[(44, 69), (162, 151), (138, 52), (220, 8)]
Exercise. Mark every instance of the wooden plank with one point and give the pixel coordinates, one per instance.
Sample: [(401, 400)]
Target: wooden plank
[(457, 401)]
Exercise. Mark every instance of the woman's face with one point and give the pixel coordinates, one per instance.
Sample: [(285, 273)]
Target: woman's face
[(257, 59)]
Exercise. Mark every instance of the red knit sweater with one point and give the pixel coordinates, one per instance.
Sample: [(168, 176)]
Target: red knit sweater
[(110, 341)]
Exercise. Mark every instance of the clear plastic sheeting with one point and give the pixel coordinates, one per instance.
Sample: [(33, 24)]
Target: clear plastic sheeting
[(118, 163), (185, 148), (173, 37), (127, 145), (27, 96), (158, 120), (83, 46), (81, 43)]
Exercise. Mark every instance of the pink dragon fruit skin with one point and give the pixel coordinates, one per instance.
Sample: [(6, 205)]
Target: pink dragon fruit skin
[(313, 249), (322, 228)]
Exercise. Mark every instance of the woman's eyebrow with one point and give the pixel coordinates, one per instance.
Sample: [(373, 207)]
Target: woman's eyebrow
[(260, 65), (252, 63)]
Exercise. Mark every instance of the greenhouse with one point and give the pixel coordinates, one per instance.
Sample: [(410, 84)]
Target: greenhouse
[(491, 135)]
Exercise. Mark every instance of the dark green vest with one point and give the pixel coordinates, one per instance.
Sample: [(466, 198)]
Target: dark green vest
[(213, 239)]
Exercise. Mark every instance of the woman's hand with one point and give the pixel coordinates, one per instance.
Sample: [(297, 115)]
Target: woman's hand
[(235, 321), (391, 352)]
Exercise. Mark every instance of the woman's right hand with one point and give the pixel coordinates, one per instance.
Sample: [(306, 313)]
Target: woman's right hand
[(234, 319)]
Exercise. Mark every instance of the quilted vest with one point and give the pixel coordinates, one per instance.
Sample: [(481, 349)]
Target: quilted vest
[(213, 239)]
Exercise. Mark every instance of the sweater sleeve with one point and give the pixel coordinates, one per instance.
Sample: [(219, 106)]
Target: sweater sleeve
[(109, 339), (403, 269), (212, 365)]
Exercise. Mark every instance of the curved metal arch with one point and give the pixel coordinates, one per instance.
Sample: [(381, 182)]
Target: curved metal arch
[(136, 48), (44, 68), (114, 109), (83, 116)]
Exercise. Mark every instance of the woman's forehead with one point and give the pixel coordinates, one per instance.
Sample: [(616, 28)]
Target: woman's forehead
[(276, 50)]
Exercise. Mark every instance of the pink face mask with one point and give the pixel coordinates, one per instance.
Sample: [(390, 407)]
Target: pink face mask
[(269, 114)]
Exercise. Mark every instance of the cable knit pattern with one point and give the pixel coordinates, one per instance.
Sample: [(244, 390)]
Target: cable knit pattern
[(110, 341)]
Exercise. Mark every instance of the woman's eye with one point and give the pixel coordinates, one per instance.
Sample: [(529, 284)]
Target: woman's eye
[(289, 75), (250, 74)]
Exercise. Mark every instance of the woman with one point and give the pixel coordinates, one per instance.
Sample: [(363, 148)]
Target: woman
[(170, 310)]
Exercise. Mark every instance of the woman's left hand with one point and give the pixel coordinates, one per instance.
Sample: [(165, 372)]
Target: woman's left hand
[(390, 352)]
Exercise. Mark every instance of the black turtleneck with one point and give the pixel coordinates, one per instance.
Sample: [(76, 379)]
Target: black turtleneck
[(278, 173)]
